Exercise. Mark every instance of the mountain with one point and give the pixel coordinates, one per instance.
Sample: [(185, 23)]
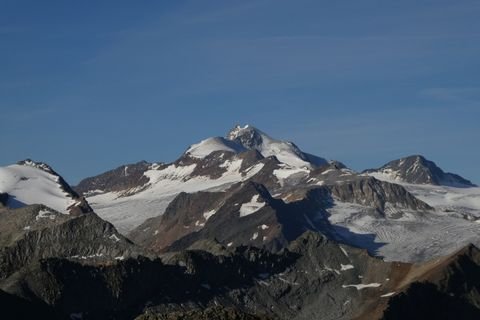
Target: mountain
[(418, 170), (130, 194), (42, 217), (167, 206), (286, 152), (30, 182), (36, 232), (312, 278), (244, 215), (258, 218), (241, 227)]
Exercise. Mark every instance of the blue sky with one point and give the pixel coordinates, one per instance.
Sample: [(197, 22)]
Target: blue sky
[(89, 85)]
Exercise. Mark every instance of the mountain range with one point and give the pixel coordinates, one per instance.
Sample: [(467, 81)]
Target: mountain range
[(244, 226)]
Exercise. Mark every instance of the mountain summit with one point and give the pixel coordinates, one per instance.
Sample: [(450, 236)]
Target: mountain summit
[(418, 170), (29, 182), (241, 139)]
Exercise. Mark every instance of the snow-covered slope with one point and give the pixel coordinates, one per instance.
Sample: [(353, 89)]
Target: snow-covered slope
[(286, 152), (387, 219), (207, 146), (414, 236), (29, 182), (165, 182)]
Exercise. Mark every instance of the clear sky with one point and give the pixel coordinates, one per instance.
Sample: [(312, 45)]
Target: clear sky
[(89, 85)]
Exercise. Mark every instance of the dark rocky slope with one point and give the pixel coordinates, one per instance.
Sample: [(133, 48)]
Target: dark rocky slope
[(34, 232)]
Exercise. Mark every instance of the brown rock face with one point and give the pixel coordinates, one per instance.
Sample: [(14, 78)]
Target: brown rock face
[(377, 193)]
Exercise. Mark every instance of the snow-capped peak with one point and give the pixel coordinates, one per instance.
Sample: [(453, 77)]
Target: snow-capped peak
[(29, 182), (285, 151), (39, 165), (241, 139), (418, 170)]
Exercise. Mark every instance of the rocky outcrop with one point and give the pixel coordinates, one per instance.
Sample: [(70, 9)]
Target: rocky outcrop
[(248, 207), (187, 213), (35, 232), (120, 179), (377, 194), (313, 278), (210, 313)]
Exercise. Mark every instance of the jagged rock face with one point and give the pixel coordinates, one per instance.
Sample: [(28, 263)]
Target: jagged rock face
[(120, 179), (377, 194), (248, 207), (187, 213), (418, 170), (248, 136), (35, 232), (211, 313), (314, 278), (111, 291), (450, 284), (270, 223)]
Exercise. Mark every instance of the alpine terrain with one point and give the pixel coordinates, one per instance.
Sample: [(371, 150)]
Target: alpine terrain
[(243, 226)]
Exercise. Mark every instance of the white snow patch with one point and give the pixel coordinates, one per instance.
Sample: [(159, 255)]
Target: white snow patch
[(230, 244), (208, 214), (164, 185), (344, 267), (264, 227), (114, 237), (344, 251), (328, 171), (96, 255), (45, 214), (287, 172), (254, 236), (288, 282), (251, 207), (362, 286), (387, 295), (331, 270), (27, 228), (207, 146)]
